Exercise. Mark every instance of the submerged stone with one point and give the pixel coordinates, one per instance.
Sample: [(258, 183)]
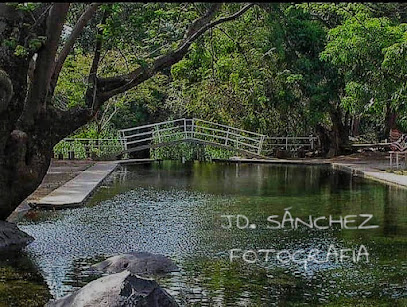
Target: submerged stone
[(12, 237), (141, 263), (120, 289)]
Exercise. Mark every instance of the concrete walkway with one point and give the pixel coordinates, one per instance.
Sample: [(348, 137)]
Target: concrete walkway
[(76, 191), (368, 171)]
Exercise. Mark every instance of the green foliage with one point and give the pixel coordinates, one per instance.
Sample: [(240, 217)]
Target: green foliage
[(369, 52), (280, 69), (26, 6), (90, 147), (249, 71), (35, 43), (21, 51), (72, 82), (144, 104), (190, 152), (11, 43)]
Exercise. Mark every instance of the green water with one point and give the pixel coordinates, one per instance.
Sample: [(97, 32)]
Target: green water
[(175, 209)]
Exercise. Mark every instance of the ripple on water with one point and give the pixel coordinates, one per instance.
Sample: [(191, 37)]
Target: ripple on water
[(184, 224), (141, 219)]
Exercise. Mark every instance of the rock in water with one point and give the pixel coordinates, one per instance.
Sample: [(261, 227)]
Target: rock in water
[(12, 237), (121, 289), (141, 263)]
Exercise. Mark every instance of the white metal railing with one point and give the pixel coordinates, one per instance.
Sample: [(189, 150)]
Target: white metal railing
[(82, 148), (193, 129), (183, 129), (289, 143), (209, 132)]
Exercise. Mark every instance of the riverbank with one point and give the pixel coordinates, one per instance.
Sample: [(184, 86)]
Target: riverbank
[(71, 182), (369, 165), (373, 166)]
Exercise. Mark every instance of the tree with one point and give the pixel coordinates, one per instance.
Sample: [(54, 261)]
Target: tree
[(264, 73), (365, 49), (32, 56)]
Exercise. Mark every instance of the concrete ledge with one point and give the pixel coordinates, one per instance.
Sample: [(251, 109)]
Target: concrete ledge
[(134, 161), (372, 174), (276, 161)]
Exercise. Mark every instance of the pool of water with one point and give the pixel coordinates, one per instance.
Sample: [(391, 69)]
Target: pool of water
[(176, 209)]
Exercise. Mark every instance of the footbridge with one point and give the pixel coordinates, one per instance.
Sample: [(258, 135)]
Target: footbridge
[(200, 131), (193, 131), (167, 133)]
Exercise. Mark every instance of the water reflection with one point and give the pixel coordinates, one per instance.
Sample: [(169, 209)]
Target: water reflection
[(175, 209)]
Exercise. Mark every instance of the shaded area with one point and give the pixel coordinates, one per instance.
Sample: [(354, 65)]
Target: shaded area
[(59, 172)]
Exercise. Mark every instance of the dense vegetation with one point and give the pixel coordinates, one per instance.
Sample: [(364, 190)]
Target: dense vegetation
[(332, 70)]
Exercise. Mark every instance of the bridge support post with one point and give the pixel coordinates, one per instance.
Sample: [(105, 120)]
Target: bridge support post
[(260, 144), (185, 129), (227, 137), (159, 135), (123, 140), (193, 128)]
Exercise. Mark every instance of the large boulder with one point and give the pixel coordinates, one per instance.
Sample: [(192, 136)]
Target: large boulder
[(140, 263), (12, 237), (121, 289)]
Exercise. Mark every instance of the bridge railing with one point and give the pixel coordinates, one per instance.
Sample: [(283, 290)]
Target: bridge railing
[(192, 129), (289, 143), (83, 148), (198, 130), (153, 133), (227, 136)]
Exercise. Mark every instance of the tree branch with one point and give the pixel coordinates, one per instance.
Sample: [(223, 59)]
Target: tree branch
[(92, 79), (76, 31), (119, 84), (200, 22), (45, 62)]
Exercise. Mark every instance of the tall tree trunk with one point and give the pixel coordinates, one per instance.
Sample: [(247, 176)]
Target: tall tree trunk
[(334, 141), (339, 134), (389, 122), (355, 125), (25, 145)]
